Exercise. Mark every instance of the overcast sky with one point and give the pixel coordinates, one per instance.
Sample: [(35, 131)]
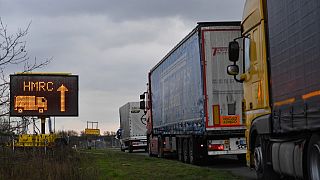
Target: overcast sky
[(110, 44)]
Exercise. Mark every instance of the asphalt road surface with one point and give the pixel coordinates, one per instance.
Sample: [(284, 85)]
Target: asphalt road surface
[(228, 163), (231, 163)]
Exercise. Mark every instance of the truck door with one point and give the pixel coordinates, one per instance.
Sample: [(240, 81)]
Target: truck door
[(255, 73), (224, 94)]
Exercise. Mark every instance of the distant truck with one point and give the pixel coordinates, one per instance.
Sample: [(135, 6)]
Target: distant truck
[(193, 108), (30, 103), (281, 41), (132, 132)]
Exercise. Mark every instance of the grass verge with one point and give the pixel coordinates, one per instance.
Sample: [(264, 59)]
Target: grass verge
[(113, 164), (53, 165)]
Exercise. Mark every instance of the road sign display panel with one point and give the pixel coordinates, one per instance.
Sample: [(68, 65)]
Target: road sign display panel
[(43, 95), (92, 131)]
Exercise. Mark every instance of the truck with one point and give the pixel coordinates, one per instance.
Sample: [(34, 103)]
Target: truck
[(132, 131), (280, 76), (30, 103), (193, 108)]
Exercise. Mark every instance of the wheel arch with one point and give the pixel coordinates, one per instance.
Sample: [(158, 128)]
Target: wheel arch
[(260, 125)]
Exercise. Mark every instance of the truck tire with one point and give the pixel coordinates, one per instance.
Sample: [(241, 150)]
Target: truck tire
[(149, 151), (192, 153), (121, 148), (130, 149), (263, 170), (160, 147), (180, 149), (313, 158), (186, 151)]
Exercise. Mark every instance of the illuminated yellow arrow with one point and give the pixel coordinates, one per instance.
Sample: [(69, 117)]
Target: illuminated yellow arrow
[(62, 89)]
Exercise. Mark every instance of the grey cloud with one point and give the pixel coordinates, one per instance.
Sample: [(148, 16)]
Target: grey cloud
[(127, 10), (110, 44)]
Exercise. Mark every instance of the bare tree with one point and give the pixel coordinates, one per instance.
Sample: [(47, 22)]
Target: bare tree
[(13, 52), (68, 133)]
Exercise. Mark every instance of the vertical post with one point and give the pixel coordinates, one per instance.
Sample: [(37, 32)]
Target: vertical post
[(12, 144), (43, 127), (9, 124), (54, 124), (45, 146), (18, 128), (34, 126)]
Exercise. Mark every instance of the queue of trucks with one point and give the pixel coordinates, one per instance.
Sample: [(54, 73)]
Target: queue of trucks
[(193, 109), (264, 107)]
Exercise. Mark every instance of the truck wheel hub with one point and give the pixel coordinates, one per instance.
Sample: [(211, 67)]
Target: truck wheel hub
[(258, 159)]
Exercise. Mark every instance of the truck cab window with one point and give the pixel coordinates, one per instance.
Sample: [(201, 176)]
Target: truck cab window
[(246, 54)]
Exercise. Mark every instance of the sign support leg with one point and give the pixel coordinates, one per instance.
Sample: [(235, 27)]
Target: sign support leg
[(43, 127)]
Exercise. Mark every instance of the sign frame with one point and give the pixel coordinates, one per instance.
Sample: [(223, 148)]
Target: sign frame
[(44, 94)]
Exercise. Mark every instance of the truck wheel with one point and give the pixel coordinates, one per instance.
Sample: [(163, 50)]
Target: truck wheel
[(160, 147), (121, 148), (314, 158), (186, 150), (180, 149), (192, 153), (20, 110), (40, 110), (264, 171), (149, 151)]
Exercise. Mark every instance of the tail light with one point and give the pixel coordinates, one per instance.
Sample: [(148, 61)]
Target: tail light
[(216, 147)]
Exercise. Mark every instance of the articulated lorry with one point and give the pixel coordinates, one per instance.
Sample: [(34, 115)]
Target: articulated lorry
[(281, 81), (132, 132), (193, 108)]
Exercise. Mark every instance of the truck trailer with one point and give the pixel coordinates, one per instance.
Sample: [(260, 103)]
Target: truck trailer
[(281, 41), (132, 132), (193, 108)]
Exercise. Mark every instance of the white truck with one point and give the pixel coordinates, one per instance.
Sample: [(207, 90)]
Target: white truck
[(132, 132)]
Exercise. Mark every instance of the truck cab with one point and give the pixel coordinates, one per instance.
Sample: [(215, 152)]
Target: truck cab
[(281, 86)]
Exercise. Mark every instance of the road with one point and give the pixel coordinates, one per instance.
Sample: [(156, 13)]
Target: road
[(229, 163)]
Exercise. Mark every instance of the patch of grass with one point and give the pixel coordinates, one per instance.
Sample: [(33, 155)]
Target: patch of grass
[(55, 164), (113, 164)]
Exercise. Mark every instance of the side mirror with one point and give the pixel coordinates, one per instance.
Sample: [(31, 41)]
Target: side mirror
[(119, 134), (233, 70), (142, 96), (233, 51), (142, 105)]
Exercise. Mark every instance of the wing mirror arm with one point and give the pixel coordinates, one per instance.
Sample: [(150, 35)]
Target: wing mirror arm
[(233, 70)]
